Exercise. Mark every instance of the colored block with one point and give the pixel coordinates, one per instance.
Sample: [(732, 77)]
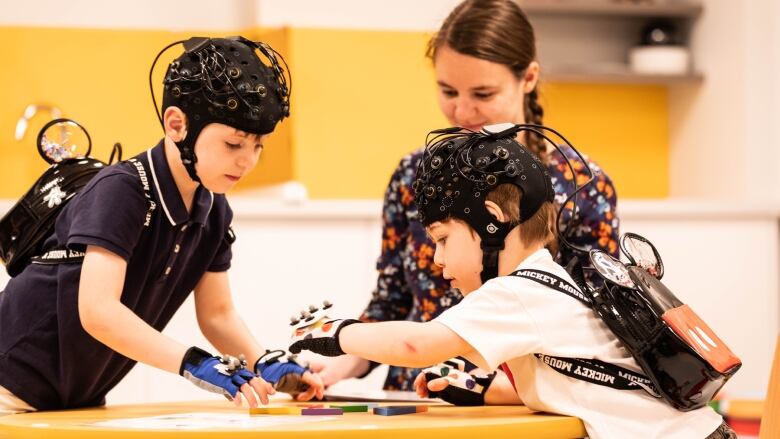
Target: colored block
[(322, 411), (400, 410), (351, 408), (275, 411)]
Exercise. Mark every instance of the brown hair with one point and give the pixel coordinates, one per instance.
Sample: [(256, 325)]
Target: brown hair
[(540, 227), (496, 31)]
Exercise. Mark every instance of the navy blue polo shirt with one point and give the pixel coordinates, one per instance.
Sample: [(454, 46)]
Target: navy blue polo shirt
[(46, 357)]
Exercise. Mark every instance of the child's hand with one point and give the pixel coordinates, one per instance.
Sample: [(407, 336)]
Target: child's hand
[(452, 385), (225, 376), (289, 376), (334, 369), (321, 337), (422, 386)]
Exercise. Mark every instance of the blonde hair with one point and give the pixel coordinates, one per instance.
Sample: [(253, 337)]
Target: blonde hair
[(539, 228)]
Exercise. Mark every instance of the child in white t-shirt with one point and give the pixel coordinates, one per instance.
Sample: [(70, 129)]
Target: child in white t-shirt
[(487, 204)]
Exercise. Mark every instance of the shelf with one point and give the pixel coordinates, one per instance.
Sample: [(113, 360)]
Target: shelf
[(615, 74), (621, 8)]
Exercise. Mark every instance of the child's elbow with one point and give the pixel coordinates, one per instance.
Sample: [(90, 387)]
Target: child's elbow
[(93, 317)]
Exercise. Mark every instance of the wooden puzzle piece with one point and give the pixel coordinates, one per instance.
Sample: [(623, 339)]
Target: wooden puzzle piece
[(276, 411), (321, 411), (394, 410)]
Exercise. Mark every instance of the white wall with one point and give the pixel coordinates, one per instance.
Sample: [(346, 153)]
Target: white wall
[(228, 14), (723, 144), (137, 14), (355, 14)]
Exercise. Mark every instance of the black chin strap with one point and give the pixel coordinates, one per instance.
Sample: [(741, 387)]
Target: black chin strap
[(493, 236), (186, 147), (490, 262), (188, 159)]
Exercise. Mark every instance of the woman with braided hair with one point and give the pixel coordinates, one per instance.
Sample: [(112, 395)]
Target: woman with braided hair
[(484, 58)]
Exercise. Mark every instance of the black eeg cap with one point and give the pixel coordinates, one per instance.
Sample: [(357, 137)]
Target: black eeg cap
[(224, 80), (458, 170)]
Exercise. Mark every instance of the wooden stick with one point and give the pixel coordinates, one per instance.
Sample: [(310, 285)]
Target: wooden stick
[(770, 422)]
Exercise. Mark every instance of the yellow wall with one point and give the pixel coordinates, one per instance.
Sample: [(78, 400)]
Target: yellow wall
[(97, 77), (624, 128), (361, 99), (359, 106)]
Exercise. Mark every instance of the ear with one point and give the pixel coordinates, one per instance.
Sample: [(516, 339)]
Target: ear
[(496, 211), (531, 77), (175, 123)]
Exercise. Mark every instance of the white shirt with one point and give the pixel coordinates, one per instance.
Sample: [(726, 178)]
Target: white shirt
[(510, 318)]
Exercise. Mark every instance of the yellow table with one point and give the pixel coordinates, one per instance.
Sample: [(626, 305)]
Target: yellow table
[(441, 421)]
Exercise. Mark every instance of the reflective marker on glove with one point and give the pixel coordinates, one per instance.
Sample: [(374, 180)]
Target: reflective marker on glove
[(321, 337), (285, 376), (464, 389), (215, 374)]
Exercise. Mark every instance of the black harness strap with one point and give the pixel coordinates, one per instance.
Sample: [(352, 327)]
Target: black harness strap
[(601, 373), (554, 282), (590, 370), (139, 168), (59, 255), (65, 255)]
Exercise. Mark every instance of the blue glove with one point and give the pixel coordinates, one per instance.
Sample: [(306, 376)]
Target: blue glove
[(464, 389), (321, 337), (215, 374), (285, 376)]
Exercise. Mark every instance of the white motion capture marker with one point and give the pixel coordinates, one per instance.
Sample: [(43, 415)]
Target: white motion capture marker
[(314, 315), (497, 127)]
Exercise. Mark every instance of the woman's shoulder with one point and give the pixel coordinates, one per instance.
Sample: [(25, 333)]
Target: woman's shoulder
[(561, 170), (558, 161), (406, 170), (410, 160)]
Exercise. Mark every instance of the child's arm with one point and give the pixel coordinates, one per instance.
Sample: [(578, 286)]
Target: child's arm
[(409, 344), (501, 392), (226, 330), (219, 321), (106, 319), (488, 326)]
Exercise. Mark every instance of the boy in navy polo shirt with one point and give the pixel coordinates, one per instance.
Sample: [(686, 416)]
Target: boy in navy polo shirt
[(153, 230)]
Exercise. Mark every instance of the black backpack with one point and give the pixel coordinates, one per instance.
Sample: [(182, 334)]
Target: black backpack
[(31, 220), (683, 361)]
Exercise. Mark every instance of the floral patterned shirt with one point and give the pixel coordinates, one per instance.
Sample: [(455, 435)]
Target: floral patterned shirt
[(411, 287)]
